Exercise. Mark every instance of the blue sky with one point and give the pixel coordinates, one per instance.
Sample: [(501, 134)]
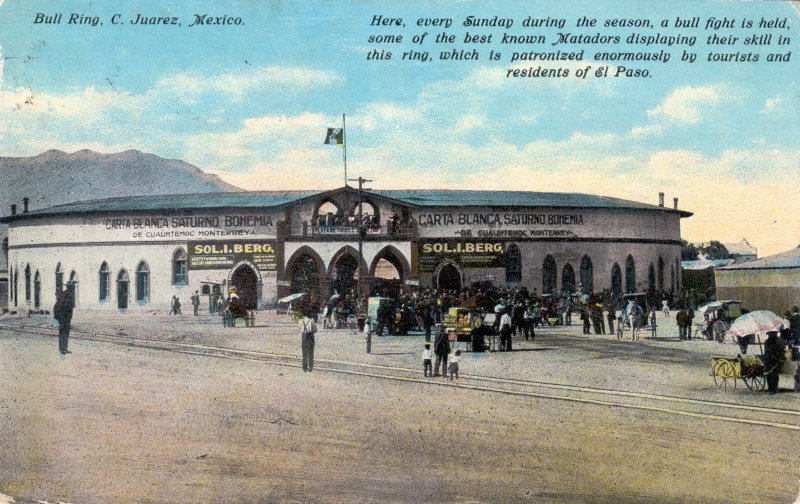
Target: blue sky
[(251, 103)]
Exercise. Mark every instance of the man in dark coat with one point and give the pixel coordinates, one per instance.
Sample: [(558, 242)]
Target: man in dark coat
[(773, 360), (62, 312), (441, 347)]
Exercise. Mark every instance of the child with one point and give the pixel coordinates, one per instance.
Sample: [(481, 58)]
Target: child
[(453, 367), (427, 367)]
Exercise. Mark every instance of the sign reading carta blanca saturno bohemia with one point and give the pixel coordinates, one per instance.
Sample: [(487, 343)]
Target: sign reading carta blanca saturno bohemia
[(224, 254), (467, 254)]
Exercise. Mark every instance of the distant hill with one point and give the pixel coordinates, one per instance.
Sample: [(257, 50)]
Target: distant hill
[(55, 178)]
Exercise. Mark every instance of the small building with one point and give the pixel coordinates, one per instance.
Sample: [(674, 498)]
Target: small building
[(771, 283), (742, 251)]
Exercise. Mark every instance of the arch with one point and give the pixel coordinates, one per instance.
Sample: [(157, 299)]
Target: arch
[(549, 275), (28, 283), (630, 274), (180, 274), (72, 285), (513, 264), (568, 279), (587, 274), (142, 283), (123, 289), (346, 250), (343, 270), (245, 277), (448, 276), (369, 208), (651, 277), (326, 211), (396, 258), (59, 278), (304, 272), (37, 290), (616, 281), (104, 283), (660, 274)]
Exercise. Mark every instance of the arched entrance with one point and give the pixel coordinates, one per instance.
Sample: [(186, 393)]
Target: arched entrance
[(549, 275), (389, 270), (344, 274), (449, 277), (303, 273), (616, 282), (568, 280), (245, 279)]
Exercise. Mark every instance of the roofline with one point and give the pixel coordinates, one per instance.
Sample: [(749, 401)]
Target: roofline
[(49, 211)]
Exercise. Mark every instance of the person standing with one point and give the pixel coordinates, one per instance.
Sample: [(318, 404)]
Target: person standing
[(612, 314), (505, 332), (441, 347), (196, 302), (773, 360), (62, 312), (427, 367), (307, 330)]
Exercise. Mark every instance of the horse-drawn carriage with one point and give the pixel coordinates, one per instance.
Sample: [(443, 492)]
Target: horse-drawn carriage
[(719, 315), (636, 316), (468, 325)]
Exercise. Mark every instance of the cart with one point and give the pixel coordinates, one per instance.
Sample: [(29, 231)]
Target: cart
[(749, 368), (461, 323), (636, 316), (722, 313)]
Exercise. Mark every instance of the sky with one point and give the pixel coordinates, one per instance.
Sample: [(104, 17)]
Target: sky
[(252, 102)]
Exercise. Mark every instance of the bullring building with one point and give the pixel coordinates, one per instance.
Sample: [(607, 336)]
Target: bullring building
[(136, 253)]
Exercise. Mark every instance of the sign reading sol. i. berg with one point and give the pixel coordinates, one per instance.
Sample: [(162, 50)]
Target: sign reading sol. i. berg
[(224, 254), (468, 254)]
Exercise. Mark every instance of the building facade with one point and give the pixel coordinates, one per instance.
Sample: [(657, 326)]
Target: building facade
[(137, 253)]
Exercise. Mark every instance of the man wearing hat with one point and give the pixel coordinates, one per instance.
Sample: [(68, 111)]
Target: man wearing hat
[(773, 360)]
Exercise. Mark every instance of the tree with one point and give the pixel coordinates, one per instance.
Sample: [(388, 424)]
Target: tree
[(689, 251), (715, 250)]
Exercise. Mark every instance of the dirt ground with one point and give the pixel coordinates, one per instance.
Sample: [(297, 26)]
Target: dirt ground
[(111, 423)]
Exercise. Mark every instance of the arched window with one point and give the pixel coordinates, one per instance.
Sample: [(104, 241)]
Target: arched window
[(587, 275), (59, 279), (630, 275), (568, 280), (28, 283), (651, 277), (142, 283), (179, 261), (549, 275), (122, 289), (513, 264), (104, 283), (660, 274), (616, 281), (72, 285), (327, 214), (37, 290)]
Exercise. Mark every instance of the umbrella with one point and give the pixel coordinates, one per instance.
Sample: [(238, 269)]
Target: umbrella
[(500, 307), (289, 299), (710, 306), (754, 322), (335, 297), (471, 302)]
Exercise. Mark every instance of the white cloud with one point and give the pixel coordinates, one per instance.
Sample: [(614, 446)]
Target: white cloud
[(239, 84), (470, 122), (688, 104)]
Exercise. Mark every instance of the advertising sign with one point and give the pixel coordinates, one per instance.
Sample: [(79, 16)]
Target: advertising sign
[(224, 254), (466, 253)]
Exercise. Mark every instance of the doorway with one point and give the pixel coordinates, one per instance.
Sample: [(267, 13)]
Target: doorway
[(246, 282)]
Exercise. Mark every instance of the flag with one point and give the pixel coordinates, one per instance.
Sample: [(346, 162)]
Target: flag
[(335, 136)]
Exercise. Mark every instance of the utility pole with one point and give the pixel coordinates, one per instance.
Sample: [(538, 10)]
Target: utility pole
[(362, 231)]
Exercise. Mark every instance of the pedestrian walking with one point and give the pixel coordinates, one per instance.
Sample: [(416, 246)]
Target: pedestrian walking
[(453, 367), (441, 347), (308, 329), (176, 306), (505, 332), (196, 302), (62, 312), (427, 367)]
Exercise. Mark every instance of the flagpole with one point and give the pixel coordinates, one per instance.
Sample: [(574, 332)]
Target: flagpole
[(344, 149)]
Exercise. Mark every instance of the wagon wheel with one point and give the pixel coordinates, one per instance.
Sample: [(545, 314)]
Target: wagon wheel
[(724, 376), (756, 383)]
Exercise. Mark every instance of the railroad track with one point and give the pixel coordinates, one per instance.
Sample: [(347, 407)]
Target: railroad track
[(701, 409)]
